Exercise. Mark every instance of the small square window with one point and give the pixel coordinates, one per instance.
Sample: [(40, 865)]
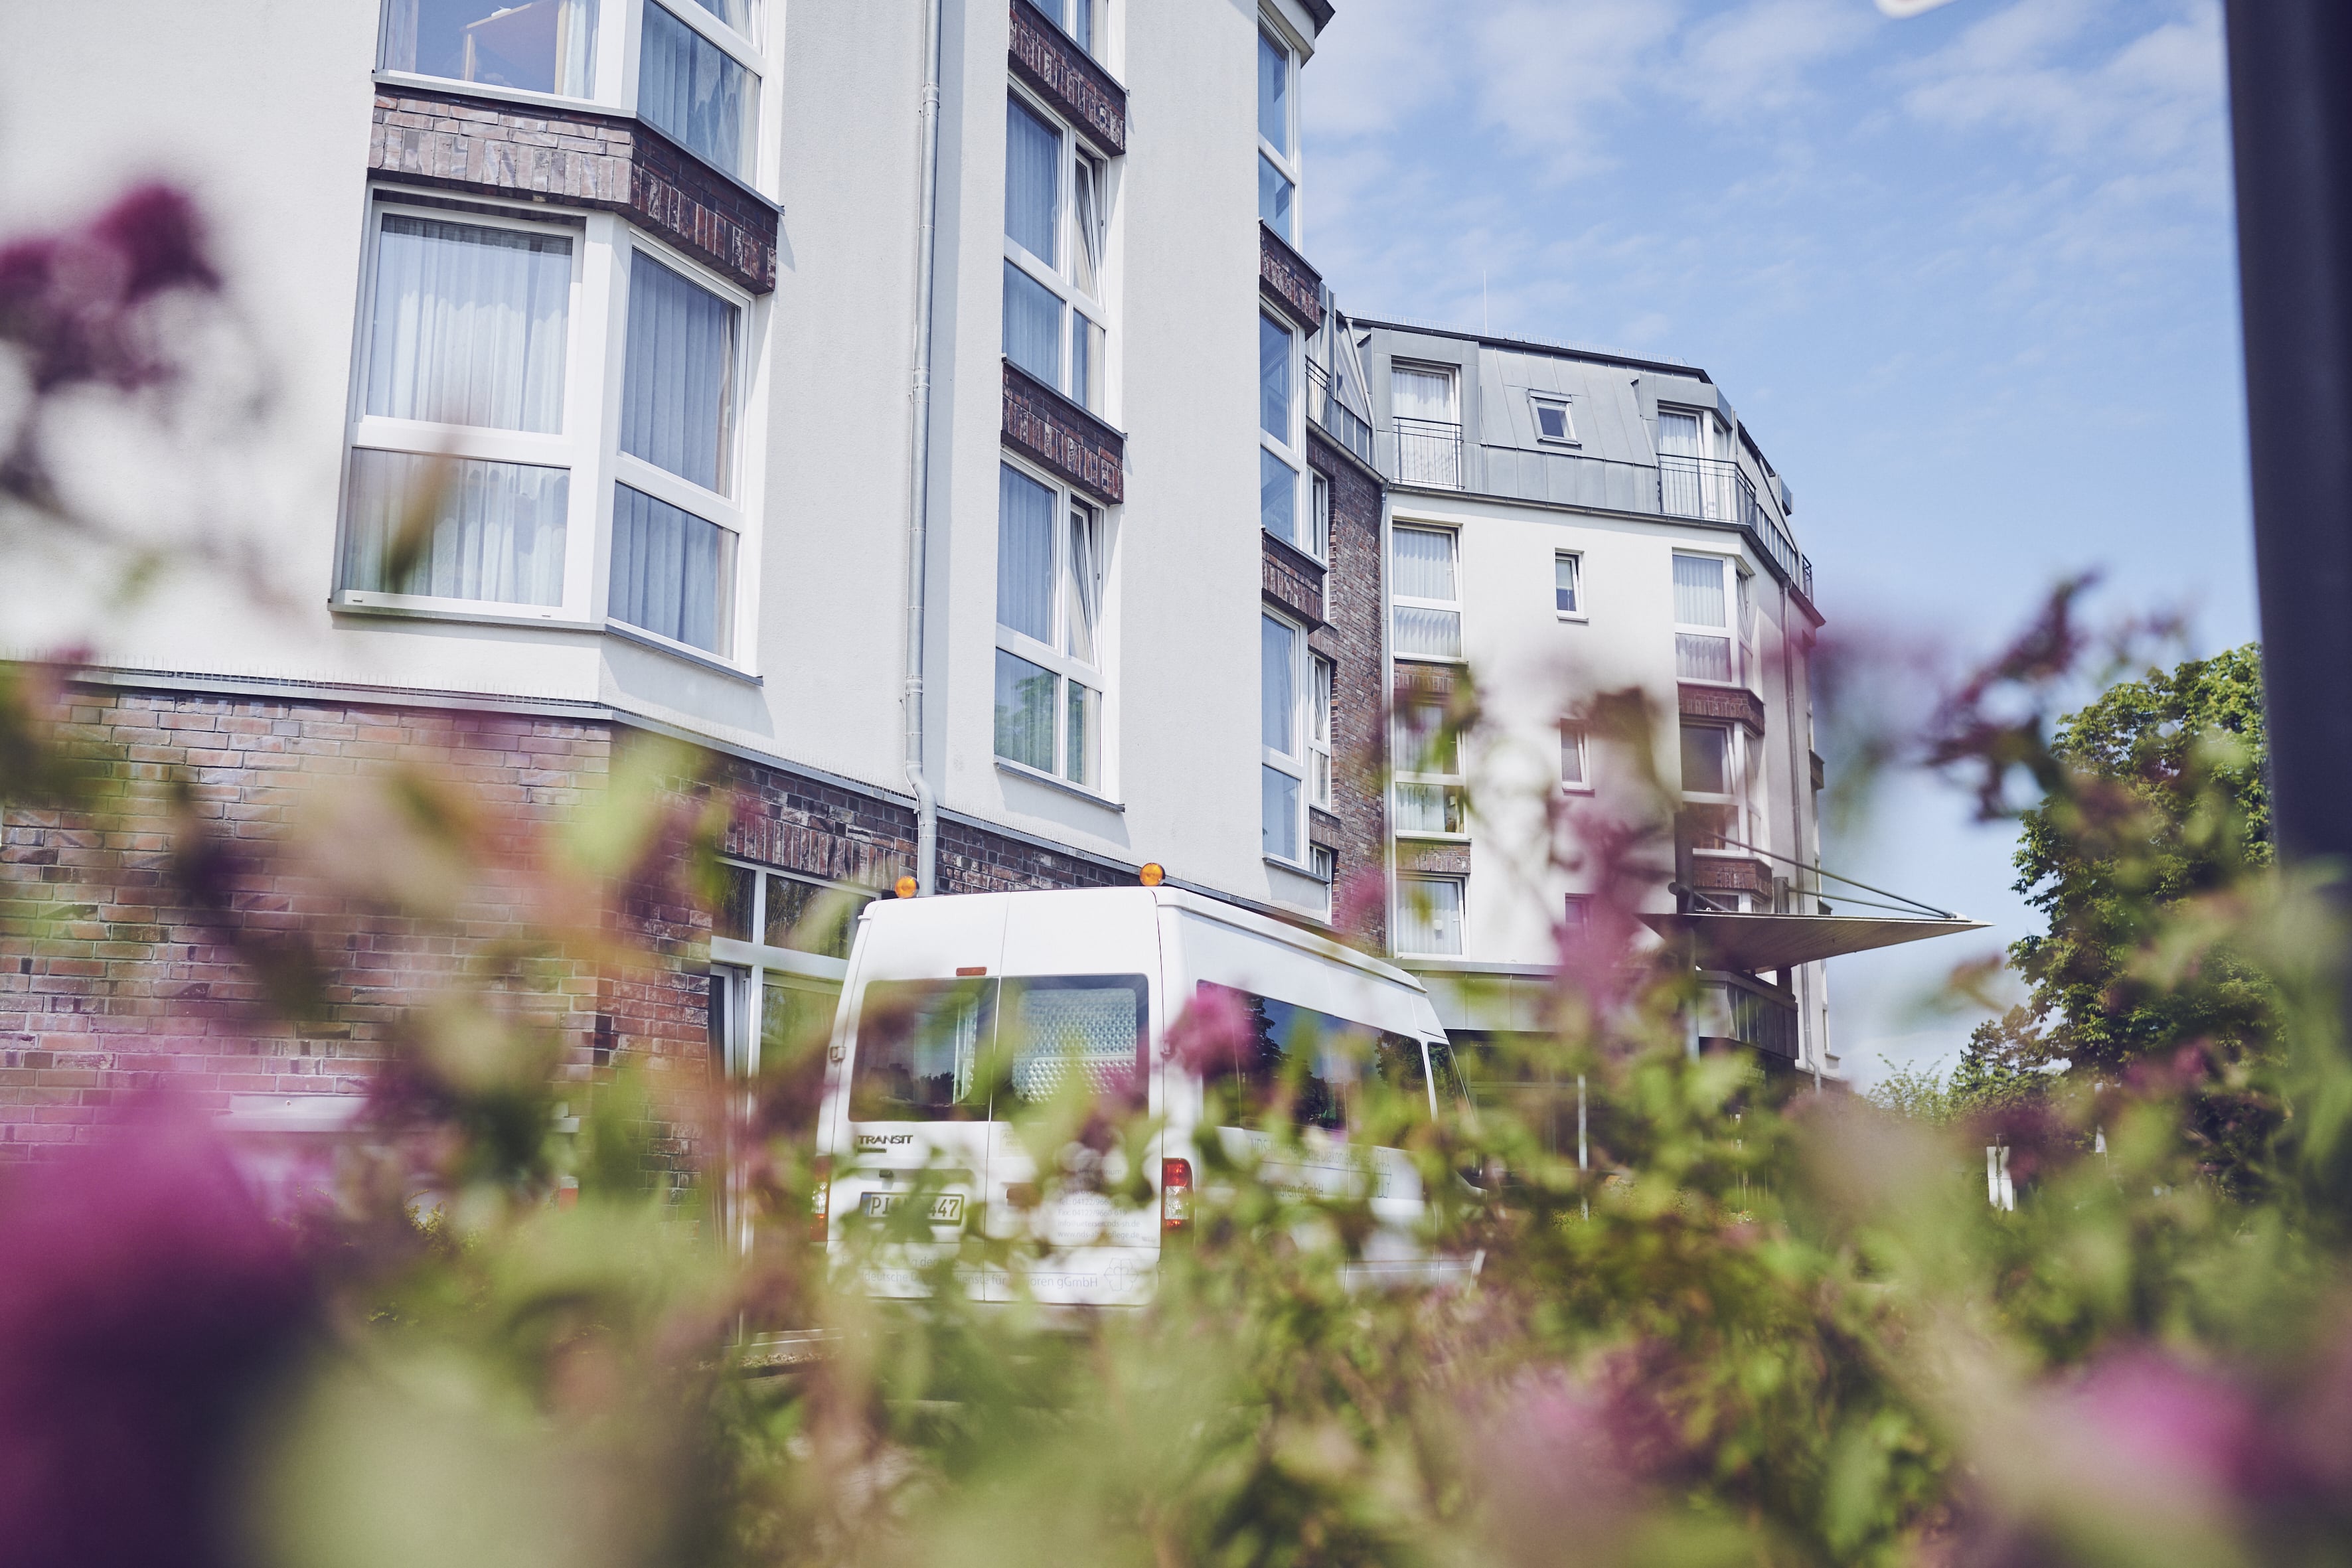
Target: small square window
[(1567, 583), (1553, 421)]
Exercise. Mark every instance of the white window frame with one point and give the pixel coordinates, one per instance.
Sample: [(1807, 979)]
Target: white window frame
[(1576, 569), (1738, 758), (1290, 448), (1295, 764), (1409, 769), (1410, 879), (1734, 597), (1285, 159), (1403, 601), (1319, 516), (1322, 684), (588, 365), (1576, 739), (1711, 472), (613, 72), (1099, 677), (731, 512), (1538, 401), (1102, 399), (1435, 466), (1323, 864)]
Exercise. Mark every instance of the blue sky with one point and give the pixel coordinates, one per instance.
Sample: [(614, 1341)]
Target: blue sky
[(1969, 277)]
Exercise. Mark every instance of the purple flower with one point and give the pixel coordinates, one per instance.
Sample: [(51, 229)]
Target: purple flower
[(144, 1304), (74, 302)]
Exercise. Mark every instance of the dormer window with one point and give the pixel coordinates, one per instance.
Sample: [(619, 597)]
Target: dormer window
[(1554, 421)]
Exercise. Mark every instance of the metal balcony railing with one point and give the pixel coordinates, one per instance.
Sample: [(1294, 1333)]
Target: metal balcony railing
[(1716, 490), (1428, 452), (1339, 421)]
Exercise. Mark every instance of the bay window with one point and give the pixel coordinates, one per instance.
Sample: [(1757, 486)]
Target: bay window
[(1281, 773), (484, 479), (1056, 318), (1426, 759), (1430, 911), (1714, 763), (1427, 596), (1050, 580), (697, 63), (1277, 133), (1707, 590)]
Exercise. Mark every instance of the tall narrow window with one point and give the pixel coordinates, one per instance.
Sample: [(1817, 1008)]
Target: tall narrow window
[(1277, 414), (1318, 734), (1567, 583), (1575, 758), (1049, 609), (1427, 426), (467, 328), (1697, 477), (674, 545), (542, 46), (1426, 757), (1702, 619), (1283, 761), (694, 92), (1714, 785), (1318, 519), (1428, 603), (1277, 167), (1056, 232)]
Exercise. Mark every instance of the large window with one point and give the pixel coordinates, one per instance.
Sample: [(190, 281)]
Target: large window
[(1050, 577), (1426, 759), (1428, 424), (1428, 602), (1428, 916), (1711, 601), (698, 62), (1056, 318), (1283, 675), (1277, 135), (460, 486), (1715, 761), (1697, 476), (1281, 435)]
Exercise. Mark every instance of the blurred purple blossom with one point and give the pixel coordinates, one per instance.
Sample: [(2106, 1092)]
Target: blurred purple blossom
[(144, 1306), (74, 301)]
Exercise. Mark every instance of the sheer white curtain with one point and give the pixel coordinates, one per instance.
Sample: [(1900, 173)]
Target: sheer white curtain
[(1024, 555), (456, 529), (1428, 916), (1033, 158), (1678, 464), (1428, 428), (1424, 570), (1086, 573), (673, 572), (1087, 188), (468, 325), (1700, 601), (678, 390), (692, 91)]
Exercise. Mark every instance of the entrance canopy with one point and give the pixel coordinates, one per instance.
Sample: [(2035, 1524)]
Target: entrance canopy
[(1760, 942)]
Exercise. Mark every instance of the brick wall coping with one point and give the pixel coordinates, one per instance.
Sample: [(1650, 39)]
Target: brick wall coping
[(1050, 61)]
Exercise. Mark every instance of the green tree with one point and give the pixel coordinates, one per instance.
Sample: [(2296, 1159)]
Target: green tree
[(2161, 809)]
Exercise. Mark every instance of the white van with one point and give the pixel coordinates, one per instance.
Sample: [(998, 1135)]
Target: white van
[(1091, 980)]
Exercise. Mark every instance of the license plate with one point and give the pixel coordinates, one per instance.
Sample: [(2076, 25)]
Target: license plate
[(946, 1208)]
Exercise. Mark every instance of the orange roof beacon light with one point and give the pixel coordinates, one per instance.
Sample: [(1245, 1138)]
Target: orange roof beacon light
[(1152, 874), (905, 888)]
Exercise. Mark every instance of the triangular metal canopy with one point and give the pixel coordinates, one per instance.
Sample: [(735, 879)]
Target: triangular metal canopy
[(1760, 942)]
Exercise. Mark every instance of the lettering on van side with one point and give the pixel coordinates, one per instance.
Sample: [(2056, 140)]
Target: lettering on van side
[(883, 1139)]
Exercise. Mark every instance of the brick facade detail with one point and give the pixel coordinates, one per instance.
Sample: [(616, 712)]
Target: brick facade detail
[(1283, 277), (139, 937), (1735, 704), (1050, 61), (1353, 611), (449, 141), (1730, 874), (1434, 859), (1043, 424), (1293, 583)]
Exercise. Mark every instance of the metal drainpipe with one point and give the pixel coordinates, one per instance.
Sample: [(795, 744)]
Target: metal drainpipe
[(919, 466)]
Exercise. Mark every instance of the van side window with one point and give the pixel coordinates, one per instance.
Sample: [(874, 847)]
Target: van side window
[(1093, 1024), (1453, 1095), (919, 1044), (1307, 1061)]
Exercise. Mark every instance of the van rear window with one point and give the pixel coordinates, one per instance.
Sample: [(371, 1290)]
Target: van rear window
[(970, 1050), (1310, 1060)]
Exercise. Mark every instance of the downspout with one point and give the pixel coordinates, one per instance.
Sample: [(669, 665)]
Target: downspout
[(919, 466)]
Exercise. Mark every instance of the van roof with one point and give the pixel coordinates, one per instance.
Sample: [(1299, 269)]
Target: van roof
[(1219, 911)]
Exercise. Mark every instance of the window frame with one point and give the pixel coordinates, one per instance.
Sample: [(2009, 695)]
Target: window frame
[(586, 367), (1540, 401), (1323, 681), (1099, 396), (1397, 601), (1578, 738), (1734, 594), (733, 513), (1409, 753), (613, 72), (1575, 558), (1296, 764), (1098, 676), (1318, 515), (1406, 880), (1738, 801), (1289, 448), (1285, 159)]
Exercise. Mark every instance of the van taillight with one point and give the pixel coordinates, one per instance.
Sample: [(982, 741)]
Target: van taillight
[(1175, 1194), (820, 1199)]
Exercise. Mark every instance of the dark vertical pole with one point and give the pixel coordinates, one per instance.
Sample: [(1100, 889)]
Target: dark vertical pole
[(2291, 115)]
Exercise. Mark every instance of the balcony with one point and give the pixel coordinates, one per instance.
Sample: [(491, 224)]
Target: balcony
[(1736, 1009), (1335, 419), (1715, 489), (1426, 452)]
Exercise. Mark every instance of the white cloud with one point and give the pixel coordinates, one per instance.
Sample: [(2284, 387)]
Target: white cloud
[(1548, 70), (1755, 60)]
